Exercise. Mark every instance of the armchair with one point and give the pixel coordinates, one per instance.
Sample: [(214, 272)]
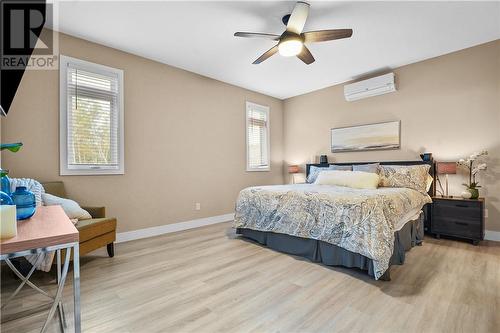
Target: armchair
[(94, 233)]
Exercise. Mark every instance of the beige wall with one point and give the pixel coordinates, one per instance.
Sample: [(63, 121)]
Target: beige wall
[(184, 133), (449, 105), (184, 140)]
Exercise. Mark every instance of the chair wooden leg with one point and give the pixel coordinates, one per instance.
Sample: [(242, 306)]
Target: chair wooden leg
[(111, 249)]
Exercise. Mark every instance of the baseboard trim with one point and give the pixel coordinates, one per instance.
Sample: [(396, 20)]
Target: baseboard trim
[(492, 235), (186, 225), (174, 227)]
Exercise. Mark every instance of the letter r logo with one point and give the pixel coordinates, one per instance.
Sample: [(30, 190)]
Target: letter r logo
[(22, 21)]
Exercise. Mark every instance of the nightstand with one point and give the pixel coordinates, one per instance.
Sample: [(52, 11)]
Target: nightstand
[(457, 217)]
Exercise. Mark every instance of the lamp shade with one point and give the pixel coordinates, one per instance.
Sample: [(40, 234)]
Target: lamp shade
[(293, 169), (446, 168)]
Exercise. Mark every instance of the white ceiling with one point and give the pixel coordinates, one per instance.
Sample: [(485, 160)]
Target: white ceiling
[(198, 36)]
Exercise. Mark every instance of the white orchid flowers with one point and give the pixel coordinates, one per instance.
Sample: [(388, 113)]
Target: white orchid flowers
[(472, 158), (474, 170), (480, 167)]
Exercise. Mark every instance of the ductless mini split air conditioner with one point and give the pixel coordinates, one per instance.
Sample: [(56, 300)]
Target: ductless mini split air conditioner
[(368, 88)]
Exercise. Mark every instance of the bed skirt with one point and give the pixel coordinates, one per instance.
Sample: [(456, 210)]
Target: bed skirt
[(410, 235)]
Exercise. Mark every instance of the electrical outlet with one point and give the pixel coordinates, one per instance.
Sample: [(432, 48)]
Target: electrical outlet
[(485, 213), (197, 206)]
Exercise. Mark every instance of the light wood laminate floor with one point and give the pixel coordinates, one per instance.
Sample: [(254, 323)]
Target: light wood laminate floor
[(208, 280)]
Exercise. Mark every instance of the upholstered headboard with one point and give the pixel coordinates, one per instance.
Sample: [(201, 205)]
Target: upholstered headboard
[(432, 170)]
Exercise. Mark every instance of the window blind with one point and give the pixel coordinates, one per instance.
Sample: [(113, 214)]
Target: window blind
[(257, 137), (92, 119)]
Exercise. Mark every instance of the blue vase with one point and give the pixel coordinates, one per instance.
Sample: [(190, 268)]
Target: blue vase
[(25, 203), (6, 185)]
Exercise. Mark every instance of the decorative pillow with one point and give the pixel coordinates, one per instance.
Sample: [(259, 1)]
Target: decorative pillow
[(352, 179), (341, 167), (373, 167), (314, 171), (410, 176), (429, 183), (70, 207)]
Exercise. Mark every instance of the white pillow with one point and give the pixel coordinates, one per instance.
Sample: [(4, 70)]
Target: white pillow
[(353, 179), (70, 207)]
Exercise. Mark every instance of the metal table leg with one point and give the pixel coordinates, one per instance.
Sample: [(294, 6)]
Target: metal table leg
[(76, 286), (61, 279), (62, 315), (24, 279), (57, 298)]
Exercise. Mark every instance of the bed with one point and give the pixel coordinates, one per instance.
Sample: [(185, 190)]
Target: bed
[(369, 229)]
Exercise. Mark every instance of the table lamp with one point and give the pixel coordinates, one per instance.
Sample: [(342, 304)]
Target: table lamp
[(293, 170), (446, 168)]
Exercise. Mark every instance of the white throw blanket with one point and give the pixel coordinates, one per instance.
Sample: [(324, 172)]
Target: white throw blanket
[(34, 186)]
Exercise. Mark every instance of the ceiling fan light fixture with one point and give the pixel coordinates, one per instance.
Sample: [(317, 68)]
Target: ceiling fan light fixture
[(290, 47), (292, 42)]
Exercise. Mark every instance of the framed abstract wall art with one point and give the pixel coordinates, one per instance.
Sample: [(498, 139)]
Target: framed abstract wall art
[(380, 136)]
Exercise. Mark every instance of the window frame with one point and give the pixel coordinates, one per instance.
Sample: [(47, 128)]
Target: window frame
[(63, 119), (266, 109)]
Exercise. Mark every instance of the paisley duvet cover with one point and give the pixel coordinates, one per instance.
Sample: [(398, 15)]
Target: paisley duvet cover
[(361, 221)]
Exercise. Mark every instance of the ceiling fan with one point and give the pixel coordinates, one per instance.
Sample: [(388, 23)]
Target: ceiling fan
[(292, 41)]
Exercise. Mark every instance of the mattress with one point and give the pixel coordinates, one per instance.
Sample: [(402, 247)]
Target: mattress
[(361, 221)]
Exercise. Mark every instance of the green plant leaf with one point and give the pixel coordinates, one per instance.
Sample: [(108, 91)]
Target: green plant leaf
[(13, 147)]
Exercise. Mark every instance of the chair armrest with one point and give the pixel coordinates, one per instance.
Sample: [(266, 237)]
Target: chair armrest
[(96, 212)]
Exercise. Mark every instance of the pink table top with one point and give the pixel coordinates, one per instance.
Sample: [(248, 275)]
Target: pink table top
[(48, 227)]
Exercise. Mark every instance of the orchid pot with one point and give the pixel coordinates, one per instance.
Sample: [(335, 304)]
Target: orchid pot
[(474, 193)]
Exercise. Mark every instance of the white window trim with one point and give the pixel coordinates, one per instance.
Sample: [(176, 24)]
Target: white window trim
[(63, 120), (266, 109)]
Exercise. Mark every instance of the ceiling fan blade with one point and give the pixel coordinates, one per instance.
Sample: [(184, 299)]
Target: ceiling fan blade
[(266, 55), (298, 17), (306, 56), (325, 35), (256, 35)]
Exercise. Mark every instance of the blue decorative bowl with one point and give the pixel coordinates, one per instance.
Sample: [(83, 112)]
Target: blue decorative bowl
[(25, 203), (5, 199), (5, 187)]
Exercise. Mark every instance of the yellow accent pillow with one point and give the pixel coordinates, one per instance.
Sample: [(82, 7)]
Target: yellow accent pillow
[(352, 179)]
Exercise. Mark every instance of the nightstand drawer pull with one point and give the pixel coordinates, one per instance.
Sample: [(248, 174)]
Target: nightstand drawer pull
[(463, 206)]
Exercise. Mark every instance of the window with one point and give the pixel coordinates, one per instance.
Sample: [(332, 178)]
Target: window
[(91, 118), (258, 152)]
